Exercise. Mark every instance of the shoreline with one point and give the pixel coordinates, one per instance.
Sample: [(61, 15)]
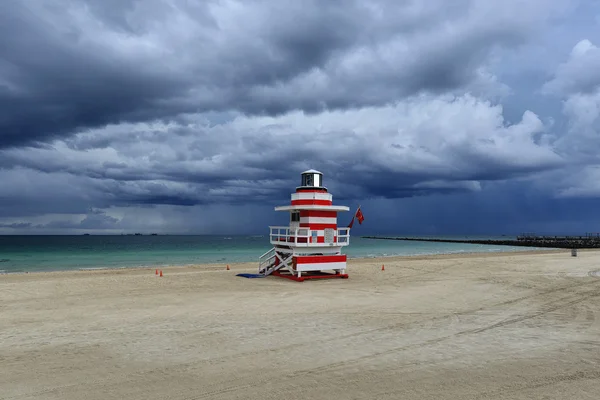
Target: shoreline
[(245, 266)]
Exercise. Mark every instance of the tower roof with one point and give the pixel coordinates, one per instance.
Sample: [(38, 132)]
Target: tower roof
[(312, 171)]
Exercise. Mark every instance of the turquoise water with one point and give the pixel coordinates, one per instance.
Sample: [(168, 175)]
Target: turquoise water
[(50, 253)]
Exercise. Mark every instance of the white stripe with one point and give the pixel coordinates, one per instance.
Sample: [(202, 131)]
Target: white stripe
[(321, 266), (303, 230), (312, 207), (318, 220), (312, 196), (320, 233)]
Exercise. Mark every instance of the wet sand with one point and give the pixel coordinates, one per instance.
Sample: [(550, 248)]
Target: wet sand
[(494, 326)]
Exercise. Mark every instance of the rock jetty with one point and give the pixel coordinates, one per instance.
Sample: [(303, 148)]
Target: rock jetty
[(556, 242)]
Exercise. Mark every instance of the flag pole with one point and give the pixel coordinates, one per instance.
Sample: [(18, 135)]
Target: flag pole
[(353, 216)]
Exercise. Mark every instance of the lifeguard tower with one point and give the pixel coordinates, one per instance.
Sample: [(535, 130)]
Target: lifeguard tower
[(312, 243)]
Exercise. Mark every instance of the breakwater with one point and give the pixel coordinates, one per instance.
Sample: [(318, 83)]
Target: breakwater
[(555, 242)]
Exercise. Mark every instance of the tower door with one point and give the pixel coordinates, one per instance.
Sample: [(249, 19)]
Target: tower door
[(329, 235), (294, 219)]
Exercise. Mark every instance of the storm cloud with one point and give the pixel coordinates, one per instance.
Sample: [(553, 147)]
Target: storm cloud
[(125, 115), (80, 64)]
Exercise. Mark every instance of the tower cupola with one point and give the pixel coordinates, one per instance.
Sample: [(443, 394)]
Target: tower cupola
[(312, 179)]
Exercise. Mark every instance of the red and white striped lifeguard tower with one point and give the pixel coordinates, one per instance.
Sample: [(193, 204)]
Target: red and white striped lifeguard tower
[(312, 243)]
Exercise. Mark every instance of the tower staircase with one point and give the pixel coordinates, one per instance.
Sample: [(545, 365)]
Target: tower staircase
[(273, 261)]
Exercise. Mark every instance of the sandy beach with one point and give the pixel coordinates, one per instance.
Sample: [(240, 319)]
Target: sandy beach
[(489, 326)]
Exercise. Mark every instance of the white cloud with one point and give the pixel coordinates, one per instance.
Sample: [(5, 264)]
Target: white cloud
[(581, 72), (577, 81), (425, 143)]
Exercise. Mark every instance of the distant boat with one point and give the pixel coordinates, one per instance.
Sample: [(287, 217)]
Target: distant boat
[(154, 234)]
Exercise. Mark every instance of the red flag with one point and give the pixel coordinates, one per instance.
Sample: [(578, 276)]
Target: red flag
[(351, 222), (359, 216)]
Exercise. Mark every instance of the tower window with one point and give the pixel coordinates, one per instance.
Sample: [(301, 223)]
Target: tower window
[(312, 179), (295, 216), (308, 180)]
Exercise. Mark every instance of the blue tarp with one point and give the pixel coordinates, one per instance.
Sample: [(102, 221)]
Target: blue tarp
[(251, 275)]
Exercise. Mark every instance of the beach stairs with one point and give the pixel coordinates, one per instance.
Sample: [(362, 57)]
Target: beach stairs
[(273, 261)]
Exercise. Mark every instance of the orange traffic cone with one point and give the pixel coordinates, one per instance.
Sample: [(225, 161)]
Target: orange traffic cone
[(228, 267), (156, 273), (382, 267), (161, 273)]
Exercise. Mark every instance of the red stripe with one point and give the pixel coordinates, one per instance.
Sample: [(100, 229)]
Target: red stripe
[(311, 190), (312, 202), (320, 239), (318, 227), (318, 213), (320, 259)]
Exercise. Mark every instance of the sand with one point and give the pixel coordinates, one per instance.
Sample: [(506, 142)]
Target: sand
[(494, 326)]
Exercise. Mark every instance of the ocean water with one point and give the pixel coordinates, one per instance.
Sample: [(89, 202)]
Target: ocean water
[(51, 253)]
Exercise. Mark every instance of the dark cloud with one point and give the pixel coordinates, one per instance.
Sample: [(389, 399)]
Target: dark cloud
[(17, 225), (391, 152), (184, 117), (76, 65), (509, 208)]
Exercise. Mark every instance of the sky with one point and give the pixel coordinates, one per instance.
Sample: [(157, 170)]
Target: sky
[(197, 117)]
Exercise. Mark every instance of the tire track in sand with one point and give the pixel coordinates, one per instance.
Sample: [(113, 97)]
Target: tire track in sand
[(453, 318)]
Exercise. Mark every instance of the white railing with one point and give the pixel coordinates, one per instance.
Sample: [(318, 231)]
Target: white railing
[(266, 260), (272, 261), (343, 236), (305, 236)]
